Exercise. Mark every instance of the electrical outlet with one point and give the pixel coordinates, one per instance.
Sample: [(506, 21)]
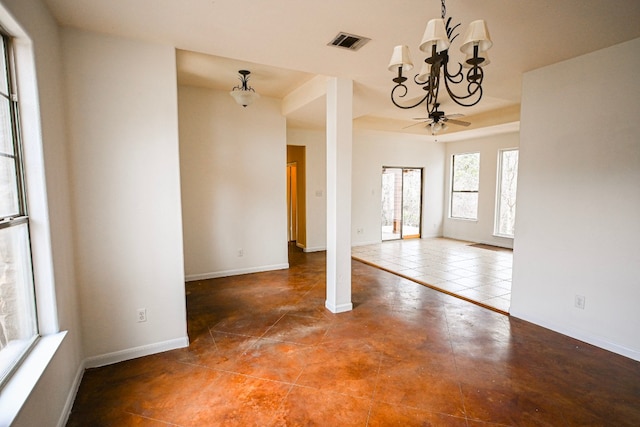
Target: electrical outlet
[(240, 252), (142, 315), (579, 302)]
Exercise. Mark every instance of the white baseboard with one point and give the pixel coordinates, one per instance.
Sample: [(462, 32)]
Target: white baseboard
[(133, 353), (316, 249), (238, 272), (581, 335), (71, 396), (340, 308), (430, 236)]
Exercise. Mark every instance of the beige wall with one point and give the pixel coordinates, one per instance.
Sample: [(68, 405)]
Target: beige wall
[(314, 142), (579, 199), (481, 230), (371, 151), (123, 131), (233, 164)]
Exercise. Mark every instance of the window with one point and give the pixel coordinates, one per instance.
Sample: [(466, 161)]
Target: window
[(465, 182), (18, 322), (506, 194)]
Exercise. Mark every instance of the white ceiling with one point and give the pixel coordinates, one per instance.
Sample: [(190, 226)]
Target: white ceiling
[(284, 44)]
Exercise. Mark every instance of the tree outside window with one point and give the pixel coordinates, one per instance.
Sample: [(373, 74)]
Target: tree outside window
[(465, 184), (507, 186)]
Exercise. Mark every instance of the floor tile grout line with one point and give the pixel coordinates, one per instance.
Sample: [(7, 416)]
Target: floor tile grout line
[(286, 396), (455, 363), (214, 340), (375, 388), (153, 419), (226, 371)]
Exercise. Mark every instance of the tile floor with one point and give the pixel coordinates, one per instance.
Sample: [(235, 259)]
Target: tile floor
[(474, 273), (265, 352)]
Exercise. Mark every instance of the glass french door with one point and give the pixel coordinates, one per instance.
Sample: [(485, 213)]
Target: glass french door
[(401, 203)]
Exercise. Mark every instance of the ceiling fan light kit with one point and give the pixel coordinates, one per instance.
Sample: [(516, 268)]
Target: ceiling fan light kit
[(436, 41), (243, 93)]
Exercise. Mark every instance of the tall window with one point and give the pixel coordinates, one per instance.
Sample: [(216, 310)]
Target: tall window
[(507, 185), (18, 325), (465, 182)]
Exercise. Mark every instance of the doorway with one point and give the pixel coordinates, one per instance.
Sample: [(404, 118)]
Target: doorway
[(292, 202), (401, 203), (296, 196)]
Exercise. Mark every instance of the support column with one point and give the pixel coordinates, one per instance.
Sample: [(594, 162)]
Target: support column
[(339, 153)]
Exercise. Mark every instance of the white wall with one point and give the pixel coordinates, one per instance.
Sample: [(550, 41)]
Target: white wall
[(233, 165), (578, 218), (481, 230), (123, 127), (45, 148), (315, 143), (371, 151)]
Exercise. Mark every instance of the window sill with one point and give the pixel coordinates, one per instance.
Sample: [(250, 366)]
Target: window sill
[(463, 219), (503, 236), (16, 391)]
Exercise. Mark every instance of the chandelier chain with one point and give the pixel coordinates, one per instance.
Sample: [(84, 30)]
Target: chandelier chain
[(443, 9)]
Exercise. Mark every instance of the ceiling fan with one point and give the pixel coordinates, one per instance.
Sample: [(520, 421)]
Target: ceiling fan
[(438, 120)]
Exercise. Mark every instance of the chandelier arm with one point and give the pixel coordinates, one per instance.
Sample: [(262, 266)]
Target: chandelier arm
[(434, 86), (473, 77), (474, 91), (244, 84), (456, 78), (405, 107), (419, 83)]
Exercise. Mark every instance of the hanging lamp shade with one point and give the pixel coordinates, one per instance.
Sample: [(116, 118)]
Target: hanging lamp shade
[(425, 72), (476, 35), (244, 97), (400, 58), (243, 93), (438, 127), (435, 34)]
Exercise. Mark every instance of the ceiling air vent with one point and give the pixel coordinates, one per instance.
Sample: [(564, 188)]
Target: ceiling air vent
[(348, 41)]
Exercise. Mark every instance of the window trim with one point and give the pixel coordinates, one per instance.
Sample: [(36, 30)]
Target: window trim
[(20, 386), (21, 217)]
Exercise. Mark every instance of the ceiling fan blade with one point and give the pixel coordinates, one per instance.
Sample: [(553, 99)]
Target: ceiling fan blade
[(454, 116), (415, 124), (457, 122)]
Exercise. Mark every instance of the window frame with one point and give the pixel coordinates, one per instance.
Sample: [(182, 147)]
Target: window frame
[(453, 191), (21, 217), (499, 185)]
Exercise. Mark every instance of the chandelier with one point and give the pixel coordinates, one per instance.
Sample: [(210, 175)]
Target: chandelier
[(436, 41), (243, 93)]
